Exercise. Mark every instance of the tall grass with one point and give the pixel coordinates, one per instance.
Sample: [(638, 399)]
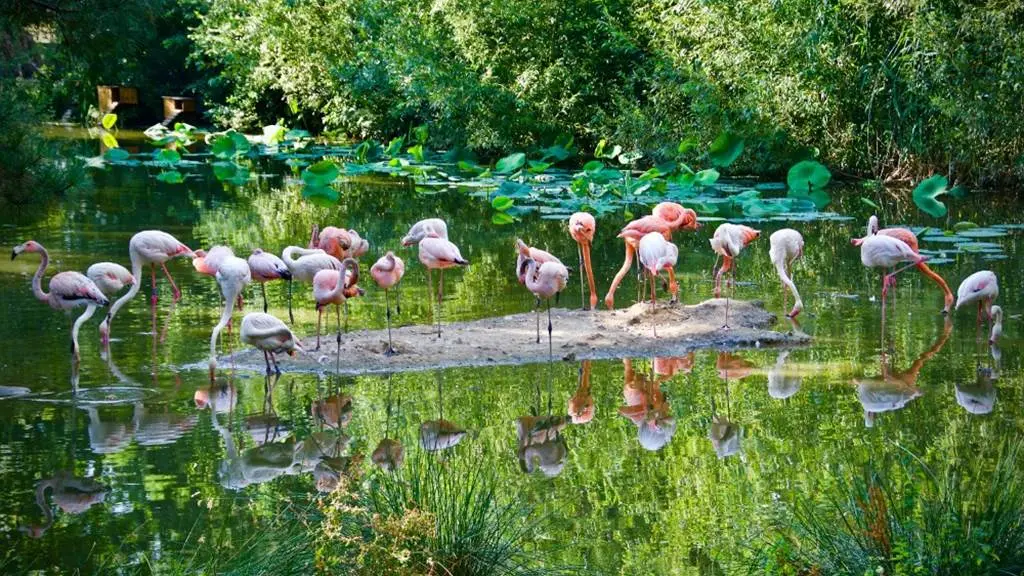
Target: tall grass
[(964, 519)]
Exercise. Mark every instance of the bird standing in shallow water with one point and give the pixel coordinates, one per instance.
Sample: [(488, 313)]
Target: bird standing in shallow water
[(67, 290), (387, 272), (147, 247), (232, 276), (656, 254), (582, 227), (981, 287), (728, 241), (270, 335), (887, 252), (266, 267), (786, 246), (305, 267), (910, 239)]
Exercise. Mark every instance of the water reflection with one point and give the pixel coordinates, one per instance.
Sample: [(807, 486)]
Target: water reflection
[(389, 453), (783, 382), (73, 495), (438, 435), (979, 397), (646, 407), (894, 390), (581, 404)]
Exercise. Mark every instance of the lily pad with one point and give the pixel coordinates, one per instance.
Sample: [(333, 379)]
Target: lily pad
[(116, 155), (706, 177), (321, 195), (981, 232), (808, 176), (510, 163), (320, 174), (725, 149), (925, 195), (170, 177), (501, 218), (502, 203)]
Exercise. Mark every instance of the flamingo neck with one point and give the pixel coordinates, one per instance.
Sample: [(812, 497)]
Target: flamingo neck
[(314, 237), (389, 262), (44, 507), (225, 317), (136, 286), (946, 292), (339, 289), (37, 279)]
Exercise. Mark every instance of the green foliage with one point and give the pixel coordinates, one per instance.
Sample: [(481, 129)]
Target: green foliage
[(926, 194)]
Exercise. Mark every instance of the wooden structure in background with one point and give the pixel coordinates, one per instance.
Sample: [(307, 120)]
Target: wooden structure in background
[(179, 108), (113, 97)]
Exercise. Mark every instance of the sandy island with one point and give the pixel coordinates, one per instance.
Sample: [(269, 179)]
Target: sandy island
[(505, 340)]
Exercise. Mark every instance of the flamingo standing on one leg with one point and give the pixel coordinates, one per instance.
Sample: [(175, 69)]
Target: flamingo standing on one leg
[(430, 227), (525, 252), (666, 218), (582, 227), (911, 240), (545, 281), (786, 246), (886, 252), (305, 267), (656, 254), (981, 287), (67, 289), (728, 241), (270, 335), (147, 247), (387, 272), (266, 267), (438, 254), (328, 288), (233, 276)]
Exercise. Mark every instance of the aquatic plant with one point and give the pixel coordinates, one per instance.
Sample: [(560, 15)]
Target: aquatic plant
[(931, 522)]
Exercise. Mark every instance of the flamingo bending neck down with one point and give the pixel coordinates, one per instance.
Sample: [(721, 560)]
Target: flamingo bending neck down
[(545, 281), (304, 267), (581, 228), (233, 276), (338, 242), (886, 252), (269, 335), (266, 267), (786, 246), (67, 290), (666, 218), (335, 287), (147, 247), (656, 254), (429, 227), (910, 239), (981, 287), (387, 272), (728, 241)]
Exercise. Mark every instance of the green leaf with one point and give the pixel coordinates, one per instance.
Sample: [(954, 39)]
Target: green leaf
[(725, 149), (593, 167), (240, 141), (108, 121), (222, 146), (502, 203), (295, 134), (116, 155), (395, 146), (108, 140), (501, 218), (961, 226), (514, 189), (420, 134), (273, 134), (170, 177), (320, 174), (959, 191), (416, 152), (538, 167), (599, 151), (321, 195), (688, 144), (925, 195), (510, 163), (167, 156), (469, 167), (869, 202), (807, 176), (706, 177)]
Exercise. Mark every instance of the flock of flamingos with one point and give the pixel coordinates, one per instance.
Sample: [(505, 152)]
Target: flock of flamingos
[(330, 263)]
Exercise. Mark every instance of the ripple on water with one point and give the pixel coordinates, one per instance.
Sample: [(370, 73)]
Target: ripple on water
[(99, 396)]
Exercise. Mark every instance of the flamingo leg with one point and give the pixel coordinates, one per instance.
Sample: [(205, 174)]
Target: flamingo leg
[(430, 291), (654, 306), (276, 367), (152, 278), (549, 330), (346, 316), (337, 314), (673, 286), (319, 317), (536, 313), (609, 299), (590, 276), (291, 317), (398, 301), (263, 289), (583, 301), (440, 300), (266, 358), (387, 299), (174, 287)]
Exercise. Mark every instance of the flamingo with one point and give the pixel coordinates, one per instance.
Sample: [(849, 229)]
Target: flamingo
[(233, 276), (544, 281), (430, 227), (67, 290), (997, 324), (886, 252), (786, 246), (524, 252), (328, 288), (437, 253), (110, 278), (581, 227), (270, 335), (581, 404), (728, 241), (147, 247), (911, 240), (338, 242), (656, 254), (981, 287), (666, 218), (73, 495), (304, 268), (207, 262), (387, 272), (266, 267)]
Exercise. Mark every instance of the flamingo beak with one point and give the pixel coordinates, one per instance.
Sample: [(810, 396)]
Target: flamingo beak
[(131, 280)]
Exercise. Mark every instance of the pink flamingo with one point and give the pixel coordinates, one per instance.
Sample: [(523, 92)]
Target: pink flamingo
[(328, 288), (147, 247), (656, 254), (544, 281), (338, 242), (911, 240), (728, 241), (524, 252), (110, 278), (208, 262), (270, 335), (786, 246), (233, 276), (666, 218), (430, 227), (886, 252), (305, 267), (266, 267), (436, 253), (981, 287), (997, 324), (387, 272), (581, 228), (67, 290)]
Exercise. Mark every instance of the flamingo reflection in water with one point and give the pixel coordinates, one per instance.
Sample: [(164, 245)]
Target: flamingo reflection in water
[(646, 406), (783, 382), (891, 390), (979, 397), (439, 435), (581, 404), (724, 434), (73, 495)]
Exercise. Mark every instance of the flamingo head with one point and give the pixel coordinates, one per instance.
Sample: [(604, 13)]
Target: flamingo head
[(199, 263), (872, 225), (522, 248), (856, 241), (30, 246), (749, 234)]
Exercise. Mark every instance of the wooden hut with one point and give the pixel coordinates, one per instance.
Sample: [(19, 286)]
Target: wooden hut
[(114, 97), (179, 108)]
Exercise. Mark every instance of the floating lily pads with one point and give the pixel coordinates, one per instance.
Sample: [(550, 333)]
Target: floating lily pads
[(808, 176), (725, 149), (510, 163), (982, 233)]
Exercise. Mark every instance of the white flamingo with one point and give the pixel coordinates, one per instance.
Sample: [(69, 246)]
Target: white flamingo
[(233, 276), (786, 246)]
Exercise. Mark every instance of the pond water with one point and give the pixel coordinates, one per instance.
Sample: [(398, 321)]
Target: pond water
[(174, 454)]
